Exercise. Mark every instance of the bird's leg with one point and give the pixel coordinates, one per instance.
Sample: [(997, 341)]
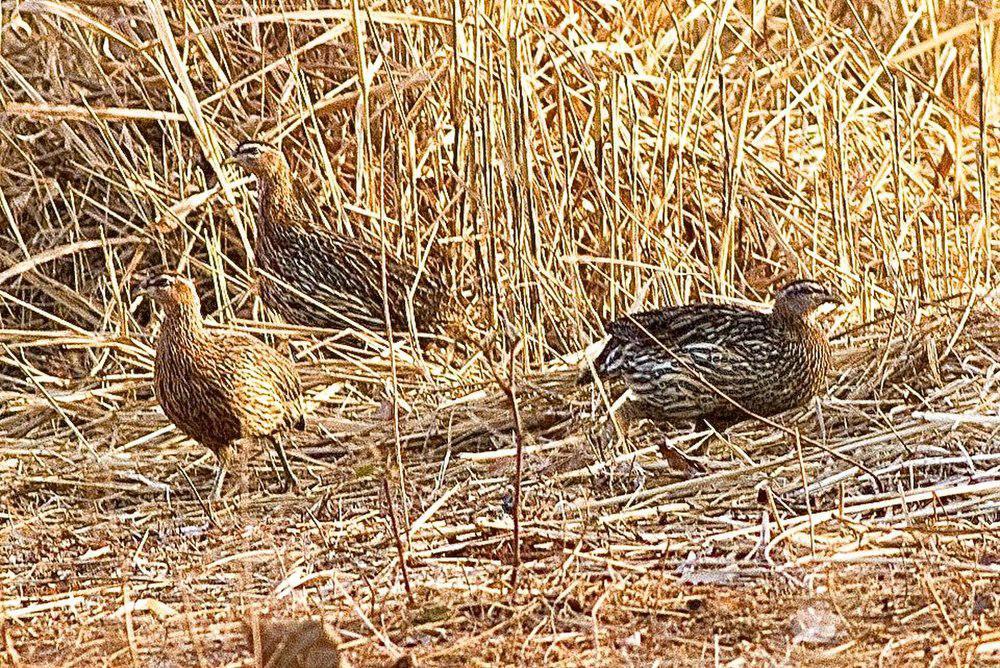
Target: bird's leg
[(223, 457), (291, 482), (242, 464), (220, 477), (818, 407), (712, 431)]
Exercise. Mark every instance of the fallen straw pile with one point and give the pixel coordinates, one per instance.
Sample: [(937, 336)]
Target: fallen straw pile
[(570, 163)]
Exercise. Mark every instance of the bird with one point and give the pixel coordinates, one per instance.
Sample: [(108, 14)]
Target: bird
[(312, 276), (718, 365), (220, 388)]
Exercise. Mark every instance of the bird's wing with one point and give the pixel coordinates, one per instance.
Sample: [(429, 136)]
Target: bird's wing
[(724, 360), (258, 378), (354, 279), (714, 341), (679, 325)]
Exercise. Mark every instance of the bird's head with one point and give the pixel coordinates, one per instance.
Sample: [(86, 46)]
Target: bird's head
[(172, 292), (800, 298), (258, 158)]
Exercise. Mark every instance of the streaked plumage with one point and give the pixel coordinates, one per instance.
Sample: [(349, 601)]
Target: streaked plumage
[(757, 362), (312, 276), (220, 387)]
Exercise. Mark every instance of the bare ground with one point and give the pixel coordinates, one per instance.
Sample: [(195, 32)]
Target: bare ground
[(750, 553)]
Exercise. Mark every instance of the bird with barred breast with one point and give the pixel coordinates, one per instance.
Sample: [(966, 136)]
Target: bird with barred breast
[(315, 277), (220, 388), (720, 364)]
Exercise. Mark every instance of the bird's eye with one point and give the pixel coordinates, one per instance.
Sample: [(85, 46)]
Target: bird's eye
[(248, 150)]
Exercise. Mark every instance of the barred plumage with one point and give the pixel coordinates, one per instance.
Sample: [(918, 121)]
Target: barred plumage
[(312, 276), (718, 363), (220, 387)]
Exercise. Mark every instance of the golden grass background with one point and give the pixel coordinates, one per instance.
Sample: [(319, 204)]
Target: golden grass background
[(560, 164)]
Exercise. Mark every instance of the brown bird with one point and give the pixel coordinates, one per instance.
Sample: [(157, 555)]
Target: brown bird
[(312, 276), (220, 387), (720, 364)]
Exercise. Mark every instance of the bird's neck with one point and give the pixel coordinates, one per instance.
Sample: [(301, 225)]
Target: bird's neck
[(182, 325), (800, 325), (278, 204), (789, 317)]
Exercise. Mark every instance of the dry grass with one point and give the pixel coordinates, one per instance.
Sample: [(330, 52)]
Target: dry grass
[(570, 162)]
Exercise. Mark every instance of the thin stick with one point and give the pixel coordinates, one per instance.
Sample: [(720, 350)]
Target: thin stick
[(805, 490), (395, 534), (511, 391), (197, 497)]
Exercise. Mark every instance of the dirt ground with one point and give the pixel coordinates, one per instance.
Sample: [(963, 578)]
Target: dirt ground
[(630, 553)]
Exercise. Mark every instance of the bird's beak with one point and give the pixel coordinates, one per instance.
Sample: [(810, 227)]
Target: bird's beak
[(229, 161), (837, 298)]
